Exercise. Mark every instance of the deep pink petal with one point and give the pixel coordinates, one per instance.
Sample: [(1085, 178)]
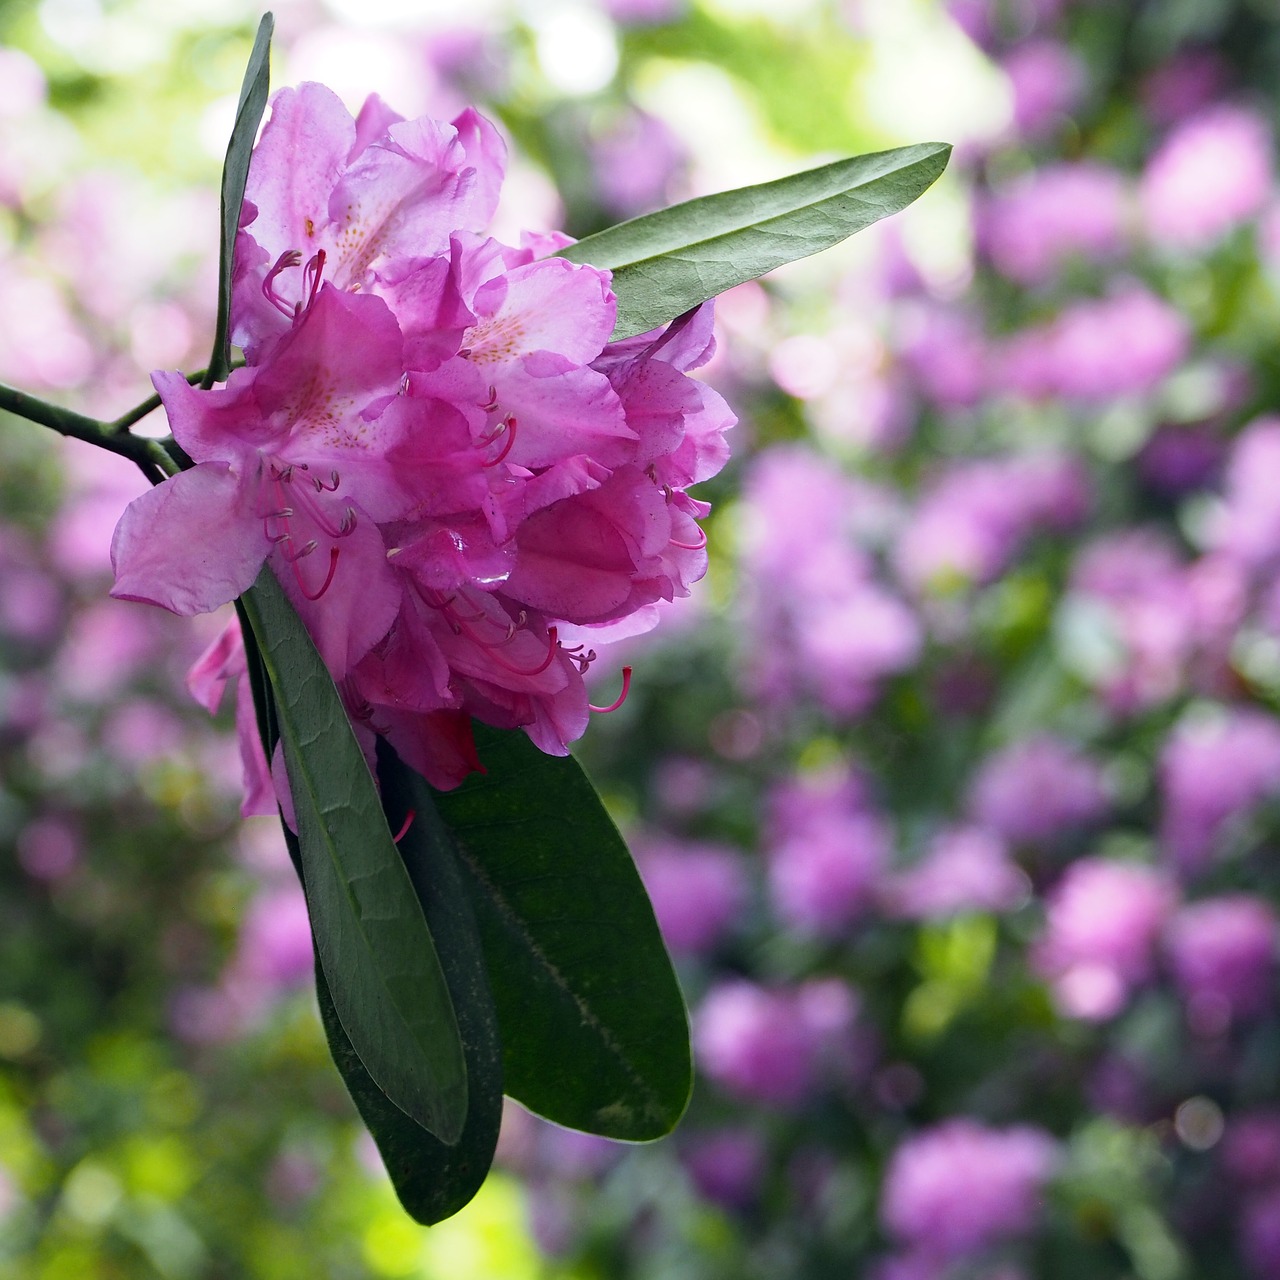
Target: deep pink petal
[(191, 544), (559, 417), (439, 745), (589, 558), (356, 608)]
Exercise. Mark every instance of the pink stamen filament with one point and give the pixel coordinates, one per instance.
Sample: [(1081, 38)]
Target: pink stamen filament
[(510, 427), (408, 822), (621, 698), (328, 580), (301, 499), (692, 546), (290, 258), (458, 625), (311, 274), (491, 650)]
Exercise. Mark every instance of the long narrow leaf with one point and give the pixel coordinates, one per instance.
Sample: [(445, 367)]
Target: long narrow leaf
[(664, 263), (594, 1030), (432, 1180), (375, 948), (235, 174)]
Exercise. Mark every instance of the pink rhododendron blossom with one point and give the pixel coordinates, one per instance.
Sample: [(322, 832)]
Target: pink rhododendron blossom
[(456, 477), (959, 1187), (1212, 173), (1060, 212), (965, 869), (1213, 772), (1103, 921), (1036, 789), (1048, 80), (1097, 349), (1223, 954)]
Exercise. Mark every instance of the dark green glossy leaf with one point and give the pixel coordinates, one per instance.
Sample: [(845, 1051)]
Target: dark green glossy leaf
[(432, 1180), (235, 173), (594, 1030), (375, 948), (664, 263)]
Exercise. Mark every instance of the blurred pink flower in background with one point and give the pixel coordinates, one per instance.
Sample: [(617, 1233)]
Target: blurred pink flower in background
[(698, 890), (973, 518), (1037, 789), (952, 1190), (824, 874), (1103, 920), (1048, 81), (1038, 224), (1214, 770), (1212, 173), (773, 1046), (1097, 349), (964, 869), (1223, 955)]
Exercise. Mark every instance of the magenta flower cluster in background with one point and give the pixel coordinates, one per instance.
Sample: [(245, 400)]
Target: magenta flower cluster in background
[(956, 784)]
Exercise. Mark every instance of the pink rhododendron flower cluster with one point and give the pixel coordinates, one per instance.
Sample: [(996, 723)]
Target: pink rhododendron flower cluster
[(459, 481)]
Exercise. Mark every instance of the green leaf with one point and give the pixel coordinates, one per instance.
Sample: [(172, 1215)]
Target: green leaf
[(235, 173), (375, 948), (664, 263), (432, 1180), (594, 1030)]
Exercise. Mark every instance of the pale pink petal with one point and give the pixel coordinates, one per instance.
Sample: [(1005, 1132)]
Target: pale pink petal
[(554, 307), (487, 154), (372, 123), (259, 788), (220, 662), (401, 198), (190, 544)]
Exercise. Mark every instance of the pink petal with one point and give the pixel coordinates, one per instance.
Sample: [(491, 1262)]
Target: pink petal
[(402, 197), (259, 788), (372, 123), (220, 662), (439, 745), (487, 154), (551, 306), (190, 544), (347, 617)]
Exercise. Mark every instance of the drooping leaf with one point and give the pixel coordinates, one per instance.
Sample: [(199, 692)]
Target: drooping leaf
[(377, 953), (235, 174), (594, 1030), (664, 263), (432, 1180)]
